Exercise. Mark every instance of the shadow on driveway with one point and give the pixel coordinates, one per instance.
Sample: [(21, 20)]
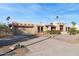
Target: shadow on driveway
[(16, 40)]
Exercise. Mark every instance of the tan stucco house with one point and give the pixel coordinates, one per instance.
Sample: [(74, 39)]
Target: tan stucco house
[(29, 28)]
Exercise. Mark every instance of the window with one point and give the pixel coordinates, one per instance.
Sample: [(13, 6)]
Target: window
[(32, 24), (53, 28), (28, 24), (17, 24), (47, 26), (21, 24), (25, 24)]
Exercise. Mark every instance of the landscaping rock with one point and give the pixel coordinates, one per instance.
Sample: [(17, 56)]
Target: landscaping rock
[(68, 38)]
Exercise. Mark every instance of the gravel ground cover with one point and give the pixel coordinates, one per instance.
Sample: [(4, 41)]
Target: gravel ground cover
[(68, 38)]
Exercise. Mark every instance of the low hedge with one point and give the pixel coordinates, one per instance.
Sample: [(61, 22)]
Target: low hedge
[(53, 32), (77, 31), (73, 31)]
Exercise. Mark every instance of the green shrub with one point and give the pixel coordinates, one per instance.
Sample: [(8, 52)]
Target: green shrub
[(53, 32), (48, 31), (72, 31), (77, 31)]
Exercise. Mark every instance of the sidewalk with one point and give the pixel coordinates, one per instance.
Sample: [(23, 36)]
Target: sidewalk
[(34, 40)]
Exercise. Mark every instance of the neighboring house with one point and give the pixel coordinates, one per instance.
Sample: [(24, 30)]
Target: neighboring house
[(29, 28)]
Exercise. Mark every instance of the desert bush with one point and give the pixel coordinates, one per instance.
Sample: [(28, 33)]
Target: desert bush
[(77, 31), (53, 32), (4, 30), (72, 31)]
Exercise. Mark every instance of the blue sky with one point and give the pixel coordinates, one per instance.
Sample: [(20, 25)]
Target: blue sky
[(39, 12)]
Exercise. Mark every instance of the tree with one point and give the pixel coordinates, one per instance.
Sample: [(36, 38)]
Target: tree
[(73, 29), (73, 23), (51, 23), (57, 17), (8, 18)]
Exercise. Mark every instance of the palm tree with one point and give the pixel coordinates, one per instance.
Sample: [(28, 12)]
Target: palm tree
[(73, 23), (73, 29), (57, 17), (51, 23), (8, 18)]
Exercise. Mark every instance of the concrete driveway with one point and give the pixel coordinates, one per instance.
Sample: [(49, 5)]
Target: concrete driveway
[(52, 47)]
